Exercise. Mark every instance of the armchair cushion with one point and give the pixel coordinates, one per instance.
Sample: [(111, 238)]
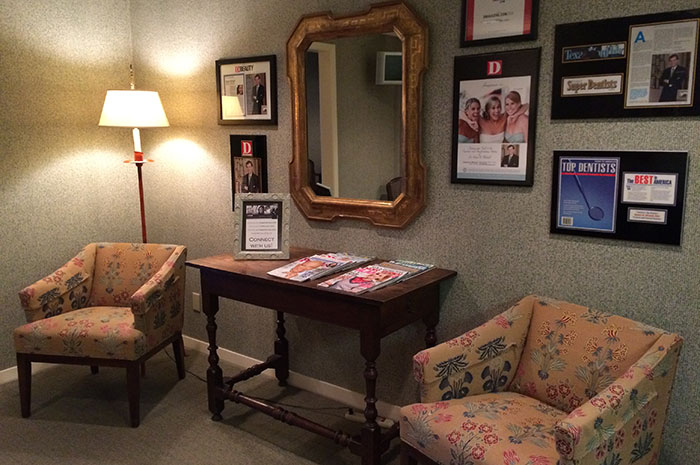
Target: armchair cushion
[(574, 352), (496, 428), (479, 361), (122, 268), (98, 332)]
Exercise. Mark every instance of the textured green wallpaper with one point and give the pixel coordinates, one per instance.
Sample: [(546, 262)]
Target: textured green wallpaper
[(495, 237)]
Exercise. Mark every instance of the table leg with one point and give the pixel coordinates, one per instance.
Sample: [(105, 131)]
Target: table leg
[(370, 434), (431, 320), (215, 377), (282, 349)]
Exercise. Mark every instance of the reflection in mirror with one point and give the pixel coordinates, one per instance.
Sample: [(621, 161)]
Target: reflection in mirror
[(353, 105)]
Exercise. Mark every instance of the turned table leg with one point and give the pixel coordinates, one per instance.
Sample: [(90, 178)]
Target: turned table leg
[(281, 349), (215, 377), (370, 434)]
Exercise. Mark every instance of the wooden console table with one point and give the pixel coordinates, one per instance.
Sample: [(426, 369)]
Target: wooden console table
[(375, 314)]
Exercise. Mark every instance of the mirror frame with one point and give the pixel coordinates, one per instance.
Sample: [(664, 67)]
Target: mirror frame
[(383, 17)]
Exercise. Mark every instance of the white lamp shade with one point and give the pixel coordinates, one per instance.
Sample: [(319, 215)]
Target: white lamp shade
[(133, 109)]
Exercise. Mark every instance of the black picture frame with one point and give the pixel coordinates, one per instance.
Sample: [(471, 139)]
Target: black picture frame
[(468, 21), (240, 97), (646, 206), (502, 78), (593, 62), (247, 149)]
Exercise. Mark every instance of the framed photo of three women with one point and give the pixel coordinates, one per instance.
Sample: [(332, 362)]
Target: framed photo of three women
[(493, 118)]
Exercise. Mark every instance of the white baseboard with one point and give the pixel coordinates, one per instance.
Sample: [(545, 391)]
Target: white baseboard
[(321, 388), (9, 375)]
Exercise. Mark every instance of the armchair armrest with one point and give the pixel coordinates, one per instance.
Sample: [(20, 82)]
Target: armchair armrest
[(63, 290), (590, 426), (490, 352), (164, 289)]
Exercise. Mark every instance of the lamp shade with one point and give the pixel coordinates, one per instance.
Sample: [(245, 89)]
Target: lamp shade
[(133, 109)]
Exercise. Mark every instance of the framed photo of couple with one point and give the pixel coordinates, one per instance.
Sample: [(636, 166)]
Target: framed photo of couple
[(494, 114), (247, 90)]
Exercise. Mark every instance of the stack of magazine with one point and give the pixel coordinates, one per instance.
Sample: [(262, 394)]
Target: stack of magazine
[(317, 266), (373, 277)]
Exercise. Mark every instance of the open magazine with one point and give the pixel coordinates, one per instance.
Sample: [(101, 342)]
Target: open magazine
[(317, 266), (363, 279), (411, 268)]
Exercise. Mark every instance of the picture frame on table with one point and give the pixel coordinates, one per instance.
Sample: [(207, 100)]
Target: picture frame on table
[(261, 227), (247, 90), (248, 165), (494, 117), (488, 22)]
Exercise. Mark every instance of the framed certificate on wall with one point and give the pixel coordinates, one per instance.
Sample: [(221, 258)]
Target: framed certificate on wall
[(486, 21)]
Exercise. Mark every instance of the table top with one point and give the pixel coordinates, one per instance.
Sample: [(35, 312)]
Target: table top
[(256, 270)]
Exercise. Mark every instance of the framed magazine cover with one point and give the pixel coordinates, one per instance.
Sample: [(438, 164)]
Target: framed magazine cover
[(261, 227), (247, 90), (628, 195), (493, 134), (489, 22), (248, 165)]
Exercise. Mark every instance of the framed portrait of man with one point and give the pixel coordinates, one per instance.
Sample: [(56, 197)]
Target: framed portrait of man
[(248, 165), (247, 89)]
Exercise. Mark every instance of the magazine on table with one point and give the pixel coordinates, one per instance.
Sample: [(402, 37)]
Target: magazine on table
[(363, 279), (317, 266), (411, 268)]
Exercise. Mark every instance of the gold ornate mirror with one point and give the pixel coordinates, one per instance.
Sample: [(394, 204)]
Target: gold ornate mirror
[(371, 167)]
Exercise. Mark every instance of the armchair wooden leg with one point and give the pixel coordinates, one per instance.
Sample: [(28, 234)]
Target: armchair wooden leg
[(143, 369), (133, 385), (94, 369), (24, 376), (179, 352)]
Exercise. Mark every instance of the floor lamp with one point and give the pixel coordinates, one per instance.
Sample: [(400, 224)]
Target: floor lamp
[(134, 109)]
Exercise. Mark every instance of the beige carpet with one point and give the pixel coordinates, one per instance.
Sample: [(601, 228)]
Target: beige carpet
[(80, 418)]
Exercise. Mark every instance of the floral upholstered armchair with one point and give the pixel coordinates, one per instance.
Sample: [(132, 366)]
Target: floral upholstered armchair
[(112, 305), (544, 383)]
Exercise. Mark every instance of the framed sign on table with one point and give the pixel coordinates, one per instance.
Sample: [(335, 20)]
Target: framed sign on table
[(627, 67), (629, 195), (494, 114), (247, 90), (261, 227), (488, 22)]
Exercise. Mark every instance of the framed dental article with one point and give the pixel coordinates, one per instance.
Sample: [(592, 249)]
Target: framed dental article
[(247, 90), (493, 118), (628, 195), (488, 21), (261, 227)]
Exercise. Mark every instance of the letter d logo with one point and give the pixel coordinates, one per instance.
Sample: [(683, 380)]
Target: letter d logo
[(494, 68), (247, 148)]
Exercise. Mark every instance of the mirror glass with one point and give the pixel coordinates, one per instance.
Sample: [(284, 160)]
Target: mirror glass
[(354, 114)]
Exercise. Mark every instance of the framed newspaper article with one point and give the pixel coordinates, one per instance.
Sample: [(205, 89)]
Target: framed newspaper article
[(247, 90), (627, 67), (635, 196), (248, 165), (493, 119), (487, 22), (261, 227)]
